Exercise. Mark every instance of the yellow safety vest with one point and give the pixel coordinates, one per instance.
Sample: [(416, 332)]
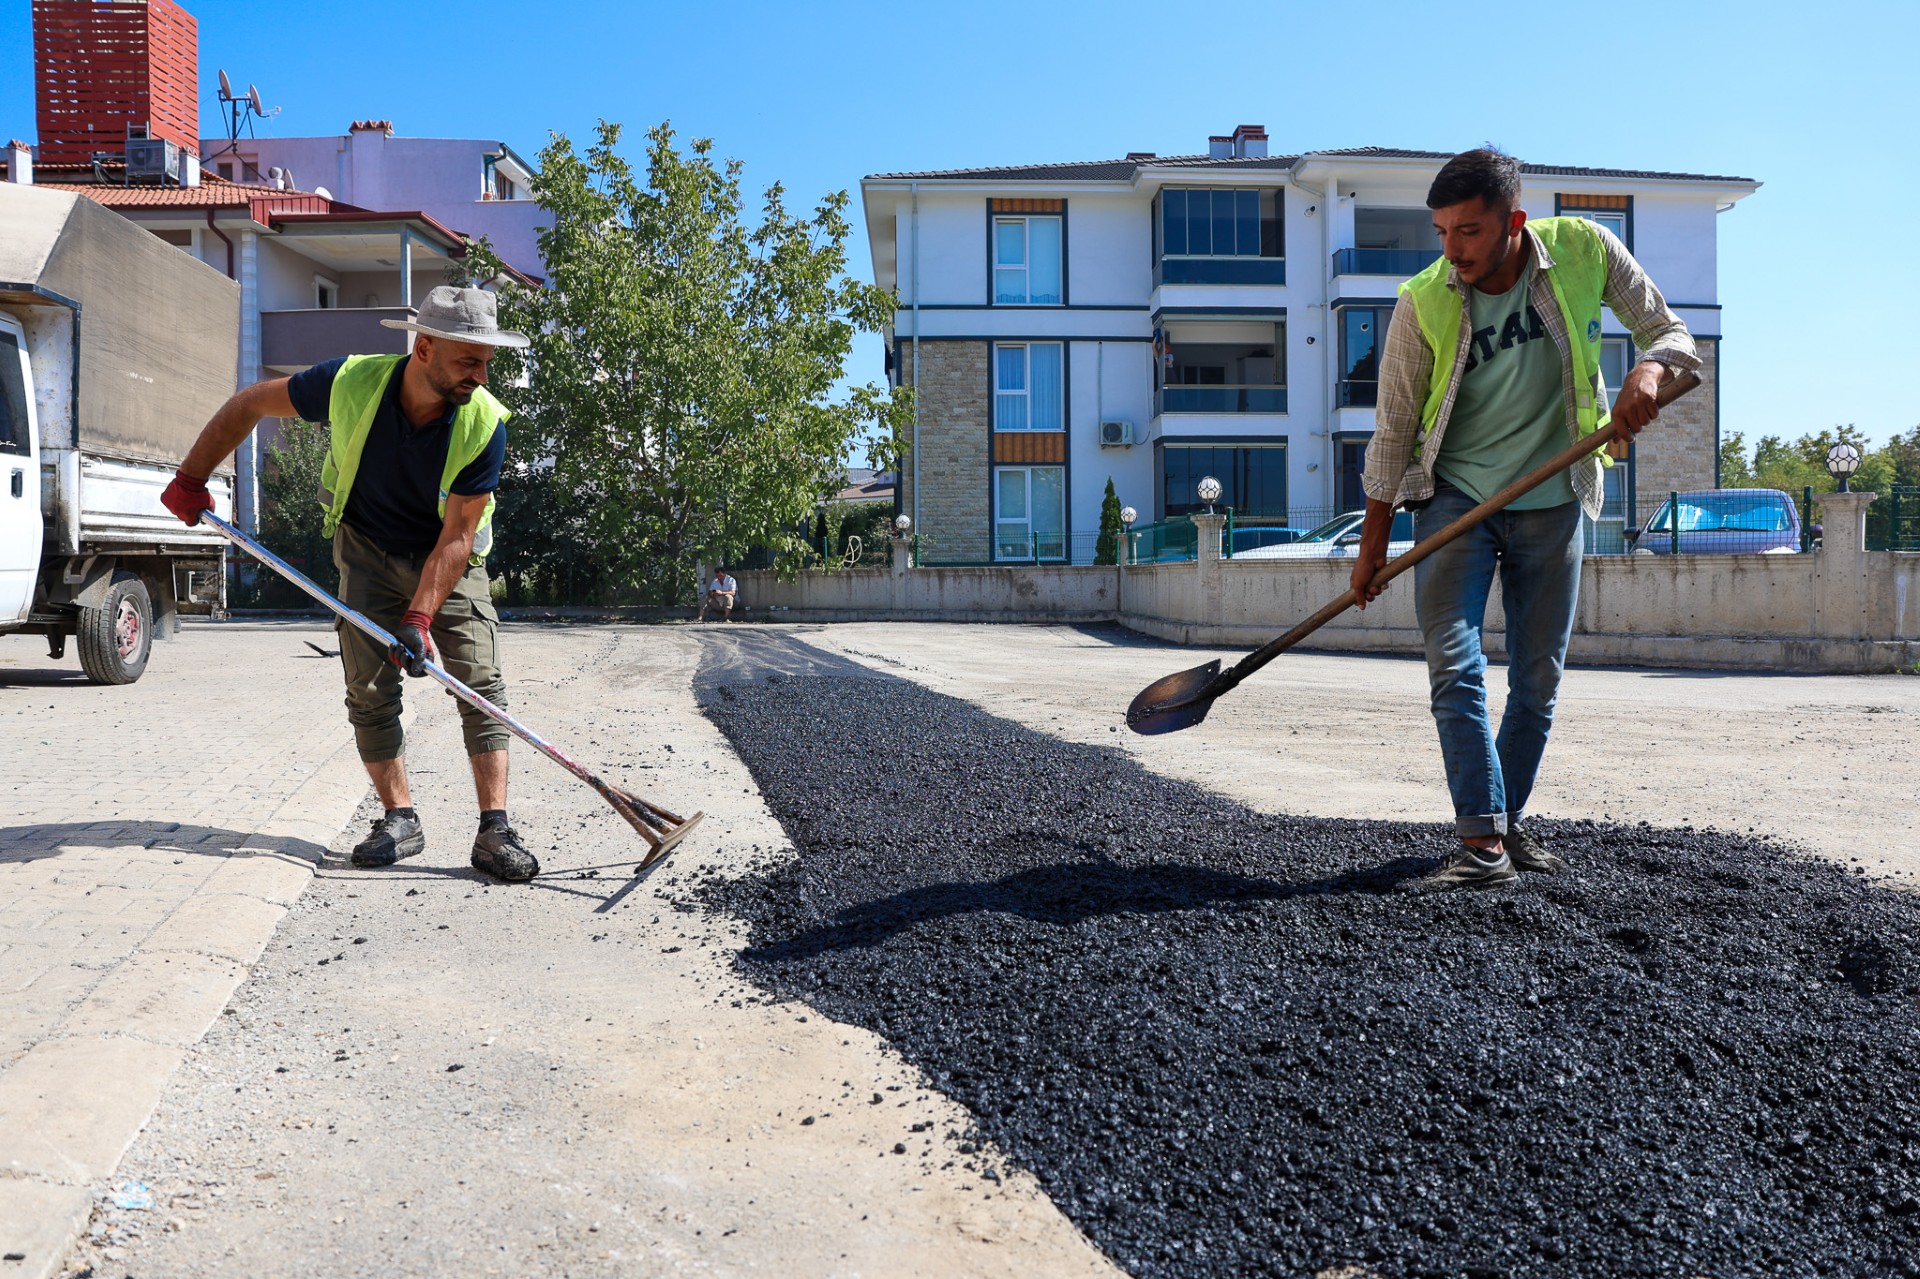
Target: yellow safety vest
[(357, 389), (1578, 277)]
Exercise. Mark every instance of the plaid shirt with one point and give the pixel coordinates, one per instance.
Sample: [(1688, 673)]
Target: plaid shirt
[(1394, 474)]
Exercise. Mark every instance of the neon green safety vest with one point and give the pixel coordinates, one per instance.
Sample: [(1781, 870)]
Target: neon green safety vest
[(1578, 277), (357, 389)]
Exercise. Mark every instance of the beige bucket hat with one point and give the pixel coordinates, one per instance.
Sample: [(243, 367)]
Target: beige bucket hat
[(461, 315)]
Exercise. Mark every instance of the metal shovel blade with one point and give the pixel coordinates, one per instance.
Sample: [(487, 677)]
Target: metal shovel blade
[(1174, 702)]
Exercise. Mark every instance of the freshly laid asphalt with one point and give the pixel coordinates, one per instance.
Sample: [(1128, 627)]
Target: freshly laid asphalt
[(1234, 1042)]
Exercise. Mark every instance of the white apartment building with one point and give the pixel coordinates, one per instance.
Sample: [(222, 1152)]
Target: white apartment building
[(1153, 320)]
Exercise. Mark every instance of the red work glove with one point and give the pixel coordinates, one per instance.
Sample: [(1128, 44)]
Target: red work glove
[(412, 646), (186, 497)]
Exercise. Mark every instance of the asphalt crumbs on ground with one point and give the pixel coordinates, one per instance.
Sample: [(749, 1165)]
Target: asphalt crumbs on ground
[(1234, 1042)]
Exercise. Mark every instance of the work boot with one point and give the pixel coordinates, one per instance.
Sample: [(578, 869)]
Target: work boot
[(498, 852), (1470, 867), (1528, 853), (393, 836)]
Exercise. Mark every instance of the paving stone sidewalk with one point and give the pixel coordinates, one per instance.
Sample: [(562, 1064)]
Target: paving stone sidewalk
[(151, 838)]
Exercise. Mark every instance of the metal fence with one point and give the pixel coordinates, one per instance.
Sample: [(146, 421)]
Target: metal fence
[(1893, 521)]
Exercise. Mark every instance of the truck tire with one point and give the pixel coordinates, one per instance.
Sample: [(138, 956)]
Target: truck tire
[(116, 638)]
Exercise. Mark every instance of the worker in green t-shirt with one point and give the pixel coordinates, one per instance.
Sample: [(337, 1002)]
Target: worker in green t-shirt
[(1485, 376)]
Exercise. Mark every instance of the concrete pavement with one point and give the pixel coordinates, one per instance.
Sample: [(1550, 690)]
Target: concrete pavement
[(622, 1103), (153, 836)]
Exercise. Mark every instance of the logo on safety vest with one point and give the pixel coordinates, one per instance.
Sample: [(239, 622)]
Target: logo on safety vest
[(1593, 330)]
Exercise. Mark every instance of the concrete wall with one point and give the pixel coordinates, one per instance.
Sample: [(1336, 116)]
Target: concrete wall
[(1048, 593), (1834, 611)]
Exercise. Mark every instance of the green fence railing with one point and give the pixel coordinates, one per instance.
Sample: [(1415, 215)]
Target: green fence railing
[(1893, 521), (1165, 541)]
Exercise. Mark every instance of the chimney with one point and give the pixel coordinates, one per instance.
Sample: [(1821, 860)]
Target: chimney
[(1220, 147), (106, 70), (1249, 141), (19, 163)]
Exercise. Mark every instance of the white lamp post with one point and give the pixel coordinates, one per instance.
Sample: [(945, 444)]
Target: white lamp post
[(1209, 491), (1842, 461)]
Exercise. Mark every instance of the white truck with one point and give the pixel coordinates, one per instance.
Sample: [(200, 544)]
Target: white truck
[(115, 349)]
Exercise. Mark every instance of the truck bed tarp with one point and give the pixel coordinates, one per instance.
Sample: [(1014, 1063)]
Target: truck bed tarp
[(159, 330)]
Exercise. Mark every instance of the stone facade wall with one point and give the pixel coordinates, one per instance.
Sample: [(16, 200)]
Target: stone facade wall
[(1679, 452), (955, 520)]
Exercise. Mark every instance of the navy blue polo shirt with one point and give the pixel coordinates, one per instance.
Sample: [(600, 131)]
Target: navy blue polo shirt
[(395, 498)]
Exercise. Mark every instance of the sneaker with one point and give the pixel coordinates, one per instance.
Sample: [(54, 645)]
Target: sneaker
[(1528, 853), (498, 852), (1470, 867), (391, 838)]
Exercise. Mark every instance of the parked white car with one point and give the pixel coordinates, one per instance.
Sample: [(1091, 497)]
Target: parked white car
[(1338, 538)]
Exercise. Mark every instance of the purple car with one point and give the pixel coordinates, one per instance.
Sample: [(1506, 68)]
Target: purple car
[(1724, 522)]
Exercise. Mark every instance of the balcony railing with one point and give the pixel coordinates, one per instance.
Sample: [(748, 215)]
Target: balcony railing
[(1220, 271), (1221, 399), (1359, 395), (1383, 261), (290, 339)]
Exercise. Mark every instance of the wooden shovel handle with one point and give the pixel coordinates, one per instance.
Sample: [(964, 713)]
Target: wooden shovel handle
[(1668, 393)]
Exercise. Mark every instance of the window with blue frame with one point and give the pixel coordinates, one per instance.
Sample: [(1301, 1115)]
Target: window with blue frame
[(1220, 236), (1253, 477), (1363, 339)]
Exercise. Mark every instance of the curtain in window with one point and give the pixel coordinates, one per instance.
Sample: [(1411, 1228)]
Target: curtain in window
[(1049, 507), (1047, 392), (1043, 261), (1010, 388)]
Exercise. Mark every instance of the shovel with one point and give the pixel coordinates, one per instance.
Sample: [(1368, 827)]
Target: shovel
[(660, 828), (1182, 700)]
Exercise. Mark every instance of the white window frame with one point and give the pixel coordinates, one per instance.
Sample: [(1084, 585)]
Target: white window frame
[(1026, 554), (321, 282), (1615, 220), (1025, 264), (1025, 391)]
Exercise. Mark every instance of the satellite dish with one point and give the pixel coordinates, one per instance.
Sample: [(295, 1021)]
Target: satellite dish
[(226, 87), (323, 193), (253, 100)]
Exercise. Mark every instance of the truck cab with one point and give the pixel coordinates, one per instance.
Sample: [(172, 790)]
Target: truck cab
[(20, 530)]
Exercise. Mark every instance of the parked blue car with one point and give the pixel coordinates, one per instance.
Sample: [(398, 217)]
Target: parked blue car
[(1724, 522)]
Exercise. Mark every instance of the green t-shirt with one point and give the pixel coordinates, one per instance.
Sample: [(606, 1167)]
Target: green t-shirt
[(1510, 415)]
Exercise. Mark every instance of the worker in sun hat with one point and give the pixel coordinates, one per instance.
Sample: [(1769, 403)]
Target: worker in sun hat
[(1491, 367), (415, 455)]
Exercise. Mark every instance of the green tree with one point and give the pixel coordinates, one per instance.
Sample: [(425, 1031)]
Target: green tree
[(1734, 471), (680, 391), (291, 517), (1106, 548)]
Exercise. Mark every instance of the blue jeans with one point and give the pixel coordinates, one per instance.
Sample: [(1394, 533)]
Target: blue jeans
[(1538, 555)]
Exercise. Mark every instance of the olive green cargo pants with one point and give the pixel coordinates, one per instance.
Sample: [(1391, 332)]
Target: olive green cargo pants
[(466, 632)]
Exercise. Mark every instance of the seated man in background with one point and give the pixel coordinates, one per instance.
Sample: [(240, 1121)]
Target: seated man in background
[(719, 594)]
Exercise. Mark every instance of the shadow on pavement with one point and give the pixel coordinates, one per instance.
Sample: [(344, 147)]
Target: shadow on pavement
[(51, 839), (41, 676), (1067, 893)]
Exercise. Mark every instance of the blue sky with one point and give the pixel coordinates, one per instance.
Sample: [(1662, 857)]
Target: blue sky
[(1819, 104)]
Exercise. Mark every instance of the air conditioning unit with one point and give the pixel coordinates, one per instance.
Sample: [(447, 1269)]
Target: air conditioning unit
[(1116, 435), (153, 158)]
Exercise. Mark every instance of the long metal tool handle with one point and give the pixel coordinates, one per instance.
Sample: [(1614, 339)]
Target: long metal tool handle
[(659, 827), (1668, 393)]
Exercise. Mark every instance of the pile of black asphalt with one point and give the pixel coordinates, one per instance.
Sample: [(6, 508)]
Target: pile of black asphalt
[(1230, 1042)]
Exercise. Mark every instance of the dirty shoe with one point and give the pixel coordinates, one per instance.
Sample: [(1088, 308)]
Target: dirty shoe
[(393, 836), (1470, 867), (498, 852), (1528, 853)]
